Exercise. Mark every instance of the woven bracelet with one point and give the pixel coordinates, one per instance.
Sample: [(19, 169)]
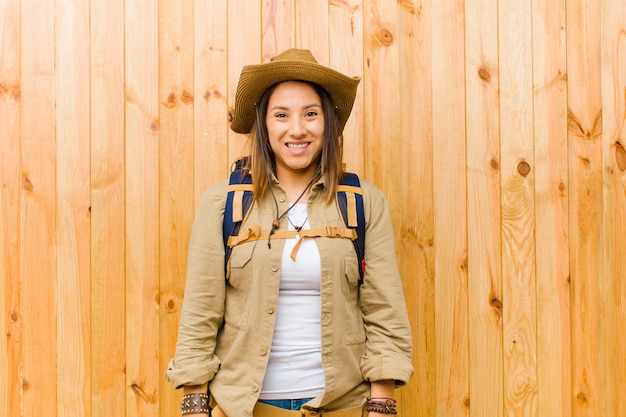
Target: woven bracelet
[(195, 403), (382, 410), (388, 406)]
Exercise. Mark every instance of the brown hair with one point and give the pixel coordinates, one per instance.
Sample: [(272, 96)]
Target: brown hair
[(261, 161)]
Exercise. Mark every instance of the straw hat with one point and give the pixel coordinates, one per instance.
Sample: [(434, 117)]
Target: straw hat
[(291, 65)]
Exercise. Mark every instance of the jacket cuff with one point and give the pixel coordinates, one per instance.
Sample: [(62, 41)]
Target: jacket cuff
[(196, 375), (381, 368)]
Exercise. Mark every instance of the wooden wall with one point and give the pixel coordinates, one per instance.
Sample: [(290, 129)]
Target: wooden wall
[(496, 128)]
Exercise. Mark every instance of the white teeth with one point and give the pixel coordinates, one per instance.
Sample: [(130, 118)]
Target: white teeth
[(297, 146)]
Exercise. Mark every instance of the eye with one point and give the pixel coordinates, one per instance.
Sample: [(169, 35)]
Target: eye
[(280, 115), (311, 113)]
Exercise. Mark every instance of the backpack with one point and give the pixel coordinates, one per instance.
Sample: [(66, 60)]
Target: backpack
[(239, 200)]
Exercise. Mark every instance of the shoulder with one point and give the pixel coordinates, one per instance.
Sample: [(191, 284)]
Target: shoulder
[(371, 193), (215, 196)]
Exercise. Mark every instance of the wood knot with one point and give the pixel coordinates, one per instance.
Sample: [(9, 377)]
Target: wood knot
[(484, 74), (495, 164), (496, 304), (27, 184), (139, 391), (523, 168), (154, 126), (171, 100), (14, 316), (212, 93), (186, 97), (385, 36), (171, 304), (620, 156)]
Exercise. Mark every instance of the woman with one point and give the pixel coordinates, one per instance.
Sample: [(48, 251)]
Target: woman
[(289, 325)]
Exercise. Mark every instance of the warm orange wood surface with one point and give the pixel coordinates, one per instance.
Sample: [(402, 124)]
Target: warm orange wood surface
[(497, 129)]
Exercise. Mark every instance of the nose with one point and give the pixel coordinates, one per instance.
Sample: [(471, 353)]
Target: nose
[(297, 128)]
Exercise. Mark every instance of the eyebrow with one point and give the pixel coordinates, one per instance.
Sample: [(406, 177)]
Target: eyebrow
[(308, 106)]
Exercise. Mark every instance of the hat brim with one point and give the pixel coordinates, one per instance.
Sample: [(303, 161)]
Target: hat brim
[(256, 79)]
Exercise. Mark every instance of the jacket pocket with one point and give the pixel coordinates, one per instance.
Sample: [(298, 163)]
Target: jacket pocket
[(355, 328), (238, 285)]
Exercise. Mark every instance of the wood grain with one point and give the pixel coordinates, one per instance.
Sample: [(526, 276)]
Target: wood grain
[(450, 209), (10, 190), (518, 207), (244, 38), (551, 199), (38, 211), (108, 292), (278, 27), (211, 124), (345, 28), (416, 238), (147, 392), (311, 28), (585, 206), (612, 286), (483, 210), (176, 190), (73, 189), (495, 129)]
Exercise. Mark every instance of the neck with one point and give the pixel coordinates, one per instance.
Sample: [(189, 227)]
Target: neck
[(295, 185), (297, 189)]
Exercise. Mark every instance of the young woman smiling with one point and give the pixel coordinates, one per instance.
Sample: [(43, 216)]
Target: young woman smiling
[(289, 328)]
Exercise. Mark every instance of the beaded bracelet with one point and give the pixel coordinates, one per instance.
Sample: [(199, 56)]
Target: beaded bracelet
[(388, 406), (195, 403)]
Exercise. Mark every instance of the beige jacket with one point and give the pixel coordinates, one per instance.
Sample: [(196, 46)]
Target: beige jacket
[(226, 326)]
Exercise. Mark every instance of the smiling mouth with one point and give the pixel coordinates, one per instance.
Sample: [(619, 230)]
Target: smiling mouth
[(297, 146)]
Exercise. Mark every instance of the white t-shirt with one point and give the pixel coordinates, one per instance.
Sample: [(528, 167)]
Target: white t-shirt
[(295, 363)]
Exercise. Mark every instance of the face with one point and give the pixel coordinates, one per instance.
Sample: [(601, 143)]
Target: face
[(295, 125)]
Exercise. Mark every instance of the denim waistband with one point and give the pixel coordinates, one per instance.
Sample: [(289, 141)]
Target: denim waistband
[(287, 404)]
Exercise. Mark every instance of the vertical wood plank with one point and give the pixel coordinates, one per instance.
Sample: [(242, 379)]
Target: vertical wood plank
[(108, 292), (415, 242), (176, 158), (518, 223), (72, 53), (244, 42), (450, 226), (144, 345), (585, 205), (277, 26), (10, 184), (345, 28), (381, 97), (552, 255), (613, 290), (311, 27), (483, 211), (210, 86), (38, 211)]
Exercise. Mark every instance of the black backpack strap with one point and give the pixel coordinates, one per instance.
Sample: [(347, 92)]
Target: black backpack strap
[(238, 202), (350, 201)]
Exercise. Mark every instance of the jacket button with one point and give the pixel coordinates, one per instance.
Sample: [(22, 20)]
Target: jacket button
[(281, 199), (270, 310), (274, 268), (255, 389), (263, 352)]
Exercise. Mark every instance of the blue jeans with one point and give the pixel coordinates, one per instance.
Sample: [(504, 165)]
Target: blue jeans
[(287, 404)]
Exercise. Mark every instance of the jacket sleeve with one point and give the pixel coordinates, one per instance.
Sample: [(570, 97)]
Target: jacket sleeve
[(203, 304), (388, 346)]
